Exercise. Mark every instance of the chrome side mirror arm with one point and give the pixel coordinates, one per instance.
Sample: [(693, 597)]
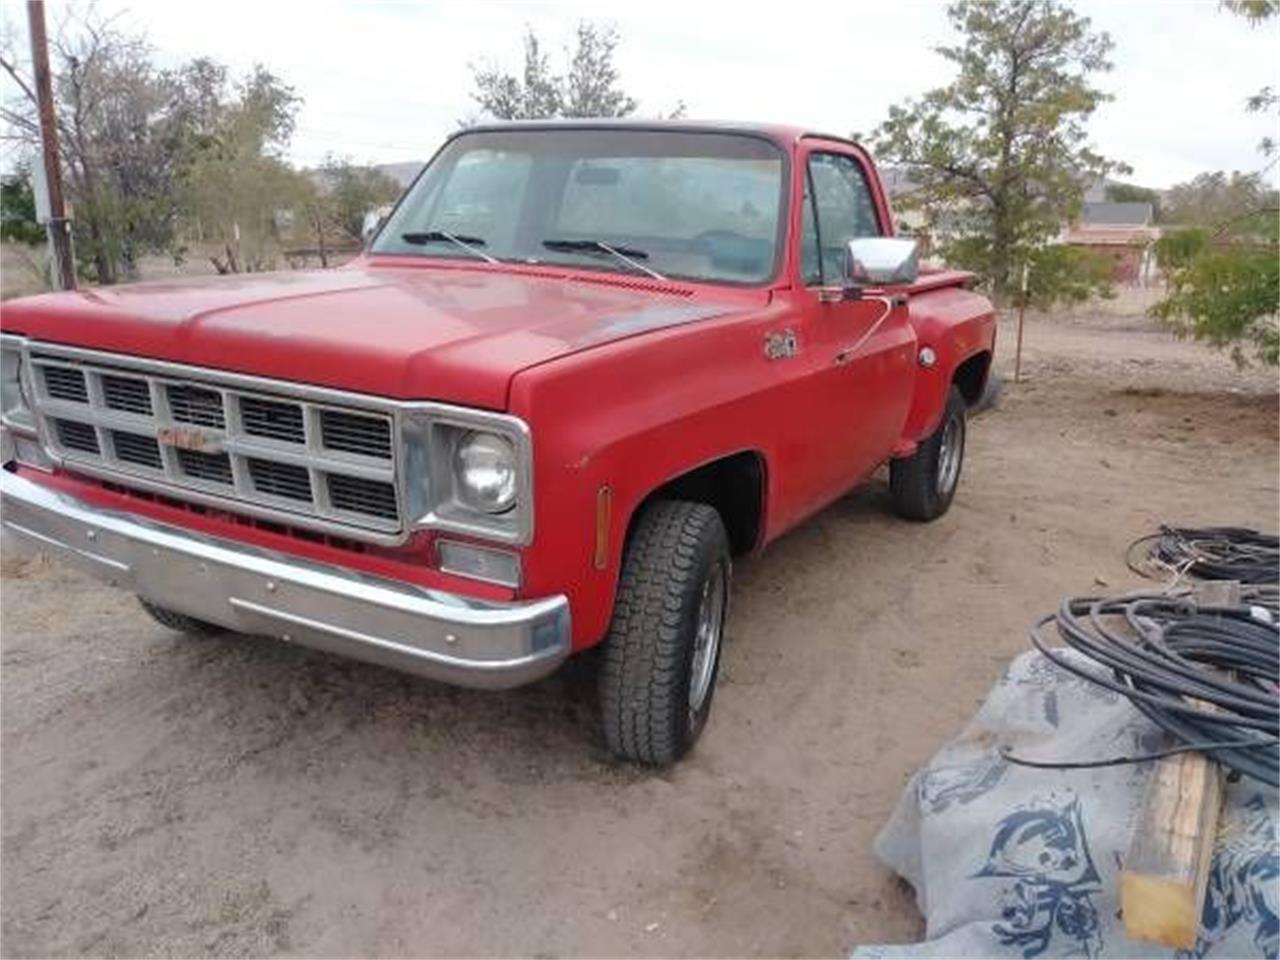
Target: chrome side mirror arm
[(841, 294), (871, 263)]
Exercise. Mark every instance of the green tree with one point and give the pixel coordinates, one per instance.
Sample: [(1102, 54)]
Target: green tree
[(18, 209), (352, 191), (1255, 11), (1220, 200), (1003, 147), (1176, 248), (152, 154), (1056, 273), (1059, 273), (1223, 273), (1258, 12), (237, 191), (1132, 193), (118, 166), (29, 272), (589, 87), (1226, 294), (1220, 256), (335, 200)]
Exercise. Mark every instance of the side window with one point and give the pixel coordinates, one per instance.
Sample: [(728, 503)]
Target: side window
[(844, 209), (810, 257)]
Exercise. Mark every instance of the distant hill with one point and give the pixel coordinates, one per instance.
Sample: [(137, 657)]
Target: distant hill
[(899, 182), (401, 173)]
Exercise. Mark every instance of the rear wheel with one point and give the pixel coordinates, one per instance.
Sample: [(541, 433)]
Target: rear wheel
[(924, 484), (662, 654), (180, 621)]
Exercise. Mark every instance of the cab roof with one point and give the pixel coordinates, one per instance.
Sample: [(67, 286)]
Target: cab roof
[(783, 134)]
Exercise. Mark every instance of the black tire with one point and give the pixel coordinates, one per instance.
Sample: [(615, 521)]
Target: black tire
[(920, 489), (991, 391), (677, 552), (180, 621)]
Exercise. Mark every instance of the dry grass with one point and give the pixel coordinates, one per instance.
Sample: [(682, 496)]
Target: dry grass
[(23, 269)]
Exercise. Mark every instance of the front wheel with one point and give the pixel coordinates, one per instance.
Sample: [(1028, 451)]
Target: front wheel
[(662, 654), (180, 621), (924, 484)]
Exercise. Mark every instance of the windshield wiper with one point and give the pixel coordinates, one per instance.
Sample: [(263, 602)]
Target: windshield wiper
[(469, 244), (628, 255)]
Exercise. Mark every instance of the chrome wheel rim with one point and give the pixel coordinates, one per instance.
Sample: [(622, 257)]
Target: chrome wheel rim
[(706, 641), (949, 455)]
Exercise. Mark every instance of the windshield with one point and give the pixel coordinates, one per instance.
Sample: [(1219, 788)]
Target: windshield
[(701, 206)]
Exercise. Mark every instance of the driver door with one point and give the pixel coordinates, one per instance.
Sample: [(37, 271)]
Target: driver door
[(864, 370)]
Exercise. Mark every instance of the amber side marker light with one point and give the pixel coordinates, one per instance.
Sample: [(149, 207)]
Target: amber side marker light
[(604, 515)]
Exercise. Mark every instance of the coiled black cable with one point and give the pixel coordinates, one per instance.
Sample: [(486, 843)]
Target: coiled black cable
[(1208, 553), (1205, 674)]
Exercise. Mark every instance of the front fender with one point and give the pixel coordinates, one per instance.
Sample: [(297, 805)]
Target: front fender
[(629, 416), (957, 324)]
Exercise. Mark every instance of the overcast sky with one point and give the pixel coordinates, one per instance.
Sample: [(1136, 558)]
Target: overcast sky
[(386, 81)]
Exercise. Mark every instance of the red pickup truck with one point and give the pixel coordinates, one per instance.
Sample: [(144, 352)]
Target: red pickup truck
[(579, 368)]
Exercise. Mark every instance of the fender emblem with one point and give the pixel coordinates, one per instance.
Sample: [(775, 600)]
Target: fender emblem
[(781, 344), (186, 438)]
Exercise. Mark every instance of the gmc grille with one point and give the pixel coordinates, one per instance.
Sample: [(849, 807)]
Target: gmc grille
[(77, 436), (355, 434), (65, 383), (332, 464), (135, 448), (267, 418), (362, 496), (127, 394), (214, 467), (193, 405)]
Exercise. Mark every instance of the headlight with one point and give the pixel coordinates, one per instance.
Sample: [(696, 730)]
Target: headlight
[(14, 411), (468, 472), (486, 466)]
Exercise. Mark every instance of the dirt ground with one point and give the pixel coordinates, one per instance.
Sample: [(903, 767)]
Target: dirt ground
[(24, 270), (164, 796)]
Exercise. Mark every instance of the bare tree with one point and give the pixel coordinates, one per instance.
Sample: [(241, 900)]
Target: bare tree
[(149, 151), (589, 87), (119, 168), (535, 95)]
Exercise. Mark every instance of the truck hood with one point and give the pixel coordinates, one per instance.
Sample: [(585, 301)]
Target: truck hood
[(450, 333)]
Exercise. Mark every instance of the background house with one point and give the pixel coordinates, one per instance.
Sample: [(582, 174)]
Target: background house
[(1125, 232)]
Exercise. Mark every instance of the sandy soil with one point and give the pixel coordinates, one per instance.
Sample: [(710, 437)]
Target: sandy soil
[(23, 270), (164, 796)]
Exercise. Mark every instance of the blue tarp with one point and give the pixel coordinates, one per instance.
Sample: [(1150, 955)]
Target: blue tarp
[(1010, 861)]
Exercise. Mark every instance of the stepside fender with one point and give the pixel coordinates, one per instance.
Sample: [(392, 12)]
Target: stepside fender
[(957, 324)]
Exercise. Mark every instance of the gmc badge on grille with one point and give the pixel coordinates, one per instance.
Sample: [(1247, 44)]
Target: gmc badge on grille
[(188, 438)]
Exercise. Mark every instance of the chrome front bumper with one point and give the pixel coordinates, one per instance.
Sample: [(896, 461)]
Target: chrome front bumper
[(456, 639)]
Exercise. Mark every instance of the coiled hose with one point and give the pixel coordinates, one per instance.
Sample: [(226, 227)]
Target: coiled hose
[(1208, 553), (1205, 674)]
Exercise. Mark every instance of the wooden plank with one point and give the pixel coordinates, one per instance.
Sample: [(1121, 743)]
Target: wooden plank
[(1166, 872), (1163, 882)]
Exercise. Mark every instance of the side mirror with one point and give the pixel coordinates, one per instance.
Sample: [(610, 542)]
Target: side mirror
[(881, 261), (373, 221)]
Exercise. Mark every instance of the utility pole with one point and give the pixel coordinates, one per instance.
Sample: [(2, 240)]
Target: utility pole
[(57, 224), (1022, 314)]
